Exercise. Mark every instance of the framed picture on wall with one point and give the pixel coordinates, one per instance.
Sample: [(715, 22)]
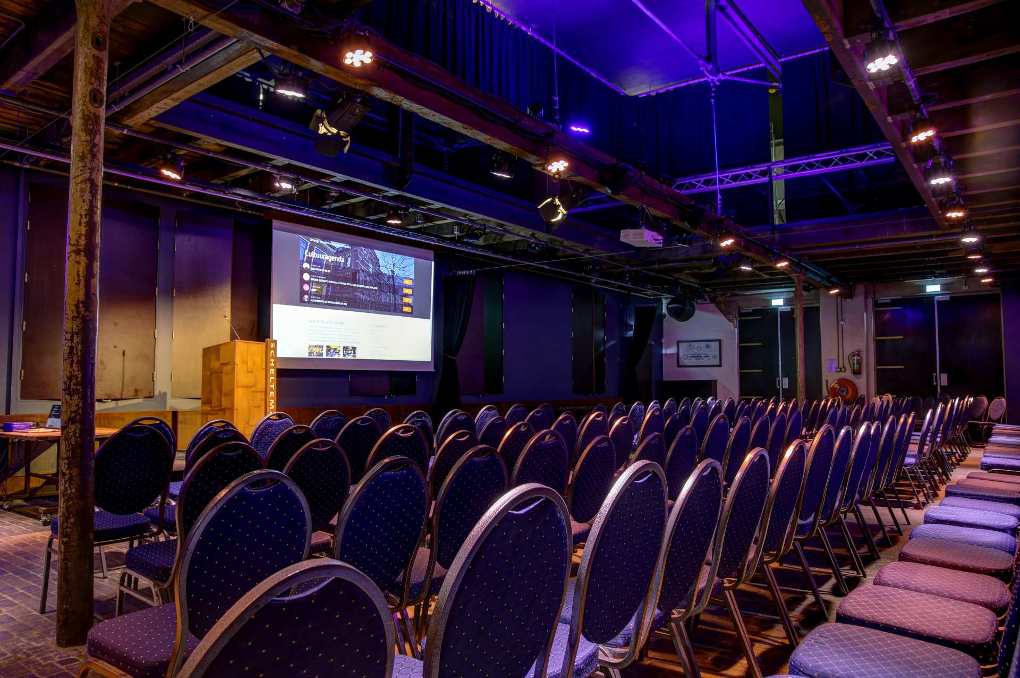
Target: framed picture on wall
[(699, 353)]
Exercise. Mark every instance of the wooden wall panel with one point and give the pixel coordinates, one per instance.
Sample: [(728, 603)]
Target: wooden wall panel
[(203, 248)]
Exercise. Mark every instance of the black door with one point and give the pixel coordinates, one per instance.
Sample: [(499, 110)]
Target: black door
[(813, 351), (970, 345), (787, 387), (905, 362), (759, 358)]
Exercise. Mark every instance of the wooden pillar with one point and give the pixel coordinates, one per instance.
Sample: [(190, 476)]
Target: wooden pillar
[(77, 440), (798, 331)]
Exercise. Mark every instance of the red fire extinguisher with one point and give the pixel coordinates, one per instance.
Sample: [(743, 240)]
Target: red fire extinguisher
[(856, 359)]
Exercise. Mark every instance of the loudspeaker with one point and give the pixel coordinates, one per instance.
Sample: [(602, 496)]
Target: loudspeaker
[(680, 308)]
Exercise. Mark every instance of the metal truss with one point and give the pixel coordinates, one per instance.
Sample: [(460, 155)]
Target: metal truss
[(792, 168)]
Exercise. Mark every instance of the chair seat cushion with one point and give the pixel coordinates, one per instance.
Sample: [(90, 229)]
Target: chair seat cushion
[(979, 589), (843, 651), (977, 489), (957, 556), (139, 643), (418, 571), (967, 517), (579, 531), (169, 523), (982, 505), (989, 462), (995, 477), (114, 527), (175, 489), (585, 662), (963, 626), (967, 535), (910, 460), (153, 560), (407, 667)]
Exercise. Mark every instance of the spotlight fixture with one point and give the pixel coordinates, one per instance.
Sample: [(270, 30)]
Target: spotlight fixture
[(173, 169), (922, 131), (334, 127), (290, 86), (394, 218), (557, 166), (880, 55), (939, 172), (283, 184), (579, 128), (974, 256), (834, 291), (981, 269), (357, 58), (501, 168), (552, 210), (728, 241), (746, 267), (782, 264), (970, 237), (956, 213), (987, 281), (778, 301)]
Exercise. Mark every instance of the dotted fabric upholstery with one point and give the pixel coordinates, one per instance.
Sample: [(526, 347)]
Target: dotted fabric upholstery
[(585, 660), (286, 446), (493, 431), (794, 425), (886, 451), (845, 651), (683, 415), (624, 545), (989, 463), (651, 448), (456, 447), (777, 439), (139, 643), (132, 469), (859, 462), (963, 626), (997, 477), (255, 531), (321, 471), (328, 424), (202, 432), (680, 460), (331, 629), (510, 587), (214, 472), (484, 416), (715, 409), (819, 464), (745, 506), (381, 417), (356, 439), (958, 555), (618, 410), (653, 423), (716, 439), (594, 425), (965, 517), (671, 428), (153, 560), (759, 438), (637, 413), (474, 483), (159, 425), (982, 489), (730, 410), (209, 441), (545, 461), (540, 418), (838, 471), (982, 505), (380, 526), (456, 420), (591, 480), (403, 440), (699, 420), (694, 519), (566, 426), (515, 414), (622, 437), (1009, 655), (736, 446), (785, 493), (423, 422), (669, 408), (108, 526), (979, 589), (967, 535), (268, 430), (514, 440)]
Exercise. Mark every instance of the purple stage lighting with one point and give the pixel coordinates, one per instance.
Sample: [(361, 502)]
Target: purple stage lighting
[(579, 128)]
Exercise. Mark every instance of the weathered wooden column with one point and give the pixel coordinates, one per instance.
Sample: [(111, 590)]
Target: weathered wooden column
[(798, 332), (77, 440)]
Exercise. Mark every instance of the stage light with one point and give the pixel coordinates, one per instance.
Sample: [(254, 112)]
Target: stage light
[(933, 288), (358, 58), (922, 131), (394, 218), (834, 290), (746, 267), (283, 184), (579, 128), (501, 168), (939, 173), (970, 236), (880, 55), (557, 166), (782, 264), (727, 242), (956, 213), (334, 127), (981, 269), (777, 302), (552, 210), (974, 256), (173, 169), (987, 281), (290, 86)]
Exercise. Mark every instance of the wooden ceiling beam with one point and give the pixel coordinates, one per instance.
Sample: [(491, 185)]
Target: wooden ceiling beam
[(909, 15)]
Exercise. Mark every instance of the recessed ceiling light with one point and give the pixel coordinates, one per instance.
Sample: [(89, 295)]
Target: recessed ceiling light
[(557, 166), (981, 269), (782, 264), (358, 57), (987, 280)]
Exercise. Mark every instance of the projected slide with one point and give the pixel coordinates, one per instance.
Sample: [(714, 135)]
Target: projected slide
[(343, 302)]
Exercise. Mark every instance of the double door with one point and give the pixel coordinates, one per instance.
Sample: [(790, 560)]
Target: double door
[(768, 352), (929, 346)]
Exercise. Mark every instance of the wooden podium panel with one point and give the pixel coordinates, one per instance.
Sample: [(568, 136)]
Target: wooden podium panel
[(238, 382)]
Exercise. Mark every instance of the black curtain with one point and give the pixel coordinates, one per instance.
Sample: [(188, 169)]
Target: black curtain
[(636, 345), (458, 294)]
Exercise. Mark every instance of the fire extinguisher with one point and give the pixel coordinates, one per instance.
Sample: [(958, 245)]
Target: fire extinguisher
[(856, 360)]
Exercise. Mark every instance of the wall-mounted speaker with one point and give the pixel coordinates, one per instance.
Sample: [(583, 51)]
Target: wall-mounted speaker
[(680, 308)]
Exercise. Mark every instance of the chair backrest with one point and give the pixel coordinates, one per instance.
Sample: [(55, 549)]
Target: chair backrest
[(816, 482), (794, 424), (473, 484), (670, 430), (730, 409), (455, 420), (653, 423), (713, 445), (591, 479), (594, 425), (456, 446), (132, 469), (286, 446), (544, 460), (996, 409), (423, 420), (213, 472), (402, 440), (321, 470), (669, 408), (566, 426), (508, 580), (513, 442), (483, 416), (812, 416), (637, 413), (209, 439), (742, 410), (320, 617), (268, 430), (652, 448), (758, 412), (683, 414), (256, 526), (886, 451), (978, 408), (622, 435), (736, 447), (777, 439), (784, 500), (618, 410), (859, 463), (356, 439), (839, 476), (681, 460), (620, 558), (382, 418), (866, 486), (327, 424), (159, 425), (382, 522), (204, 430), (699, 420), (541, 417), (714, 410), (900, 447), (515, 414), (492, 432)]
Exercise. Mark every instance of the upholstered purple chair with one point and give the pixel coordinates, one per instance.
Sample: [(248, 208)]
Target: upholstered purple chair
[(700, 420), (211, 435), (717, 436), (653, 423), (160, 426), (497, 609), (622, 435), (566, 426), (456, 446), (356, 439), (492, 432), (256, 526), (319, 617), (637, 413), (455, 420), (681, 460), (856, 470), (979, 589), (589, 484), (544, 460), (268, 430), (594, 425), (671, 428), (794, 425), (423, 421), (816, 484), (714, 410), (382, 417), (886, 442), (321, 471), (811, 416), (402, 440), (286, 446), (652, 448), (513, 442), (777, 439), (616, 575), (736, 447), (618, 410), (669, 408), (483, 416), (541, 417), (839, 476), (132, 472), (327, 424), (515, 414), (153, 562), (683, 414)]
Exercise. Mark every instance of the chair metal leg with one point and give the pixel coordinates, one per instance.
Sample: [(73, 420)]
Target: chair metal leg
[(46, 576), (869, 540), (837, 571), (810, 577), (878, 517), (784, 613), (855, 555), (745, 639), (889, 508), (613, 672), (684, 649)]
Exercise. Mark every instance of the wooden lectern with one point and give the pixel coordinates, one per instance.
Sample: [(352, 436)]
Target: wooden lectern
[(239, 382)]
